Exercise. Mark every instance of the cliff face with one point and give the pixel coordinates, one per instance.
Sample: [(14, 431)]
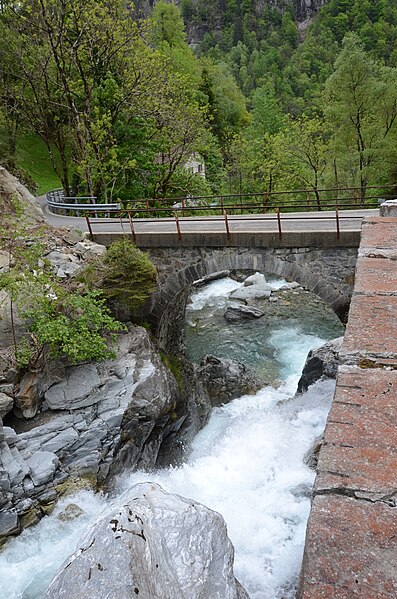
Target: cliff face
[(209, 16), (305, 9)]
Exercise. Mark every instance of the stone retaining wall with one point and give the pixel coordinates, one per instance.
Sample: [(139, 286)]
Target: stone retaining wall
[(351, 536)]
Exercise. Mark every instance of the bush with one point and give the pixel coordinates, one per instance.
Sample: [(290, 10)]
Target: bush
[(124, 274)]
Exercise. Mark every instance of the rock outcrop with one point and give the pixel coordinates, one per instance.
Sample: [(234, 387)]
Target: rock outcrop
[(226, 379), (10, 190), (155, 546), (321, 363), (92, 421)]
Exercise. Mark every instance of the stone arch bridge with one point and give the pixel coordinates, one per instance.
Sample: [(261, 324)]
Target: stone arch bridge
[(328, 272)]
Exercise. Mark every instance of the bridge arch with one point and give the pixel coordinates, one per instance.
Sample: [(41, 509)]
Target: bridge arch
[(327, 272)]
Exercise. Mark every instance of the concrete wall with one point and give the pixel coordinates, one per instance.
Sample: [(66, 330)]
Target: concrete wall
[(351, 548)]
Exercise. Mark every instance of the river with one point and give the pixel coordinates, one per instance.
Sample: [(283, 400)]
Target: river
[(247, 463)]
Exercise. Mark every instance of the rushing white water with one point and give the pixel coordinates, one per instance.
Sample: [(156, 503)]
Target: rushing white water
[(247, 464)]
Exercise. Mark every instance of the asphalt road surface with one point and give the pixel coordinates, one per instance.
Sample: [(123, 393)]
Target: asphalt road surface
[(349, 220)]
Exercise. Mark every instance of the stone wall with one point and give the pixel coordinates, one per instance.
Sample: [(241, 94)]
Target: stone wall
[(350, 546)]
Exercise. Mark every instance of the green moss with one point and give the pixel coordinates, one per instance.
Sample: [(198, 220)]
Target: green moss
[(174, 365)]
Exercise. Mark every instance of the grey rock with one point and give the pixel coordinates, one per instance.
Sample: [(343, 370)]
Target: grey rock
[(9, 523), (61, 441), (7, 388), (10, 435), (42, 466), (72, 236), (225, 379), (13, 463), (221, 274), (256, 279), (155, 546), (312, 455), (58, 257), (71, 512), (89, 249), (78, 390), (238, 313), (321, 363), (252, 292)]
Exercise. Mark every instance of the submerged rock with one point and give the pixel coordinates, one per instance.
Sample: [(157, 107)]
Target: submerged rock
[(321, 363), (155, 546), (225, 379)]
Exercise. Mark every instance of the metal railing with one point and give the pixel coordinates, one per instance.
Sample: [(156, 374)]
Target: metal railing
[(58, 203), (278, 218), (261, 202), (241, 203)]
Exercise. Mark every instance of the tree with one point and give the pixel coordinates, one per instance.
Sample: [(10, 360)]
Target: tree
[(91, 85), (362, 97), (304, 149)]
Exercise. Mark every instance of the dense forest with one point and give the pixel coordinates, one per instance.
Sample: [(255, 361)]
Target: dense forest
[(271, 96)]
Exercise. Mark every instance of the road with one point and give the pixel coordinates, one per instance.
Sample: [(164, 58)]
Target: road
[(349, 220)]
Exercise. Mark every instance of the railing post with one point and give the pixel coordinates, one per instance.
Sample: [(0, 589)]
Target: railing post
[(183, 206), (147, 208), (280, 234), (87, 220), (264, 201), (337, 223), (132, 227), (178, 228), (222, 209), (226, 225), (355, 198)]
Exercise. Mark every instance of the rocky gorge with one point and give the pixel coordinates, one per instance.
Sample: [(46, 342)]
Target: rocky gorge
[(69, 427)]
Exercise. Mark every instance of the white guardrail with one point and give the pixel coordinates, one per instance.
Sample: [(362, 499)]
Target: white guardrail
[(58, 203)]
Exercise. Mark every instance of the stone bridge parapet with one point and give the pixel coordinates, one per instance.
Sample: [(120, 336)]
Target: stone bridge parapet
[(351, 547)]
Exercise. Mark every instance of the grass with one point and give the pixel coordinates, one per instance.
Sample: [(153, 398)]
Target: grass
[(33, 157)]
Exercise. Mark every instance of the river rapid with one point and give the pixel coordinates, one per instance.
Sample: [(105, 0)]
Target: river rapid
[(247, 463)]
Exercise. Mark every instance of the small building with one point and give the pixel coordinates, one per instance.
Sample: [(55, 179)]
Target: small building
[(195, 165)]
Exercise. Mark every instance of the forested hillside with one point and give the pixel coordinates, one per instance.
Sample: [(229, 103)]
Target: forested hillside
[(271, 94)]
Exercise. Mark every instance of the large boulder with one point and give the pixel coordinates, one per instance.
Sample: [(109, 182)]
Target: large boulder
[(242, 312), (10, 190), (225, 379), (252, 292), (154, 546), (321, 363)]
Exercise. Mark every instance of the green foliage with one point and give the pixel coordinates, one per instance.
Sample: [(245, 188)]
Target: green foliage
[(362, 108), (110, 113), (74, 326), (124, 274), (70, 322)]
